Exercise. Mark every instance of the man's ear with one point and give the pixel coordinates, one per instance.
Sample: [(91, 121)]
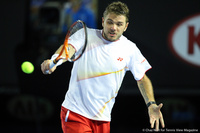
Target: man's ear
[(102, 22), (126, 26)]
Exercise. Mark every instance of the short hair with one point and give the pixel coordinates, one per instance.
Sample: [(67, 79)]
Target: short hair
[(118, 8)]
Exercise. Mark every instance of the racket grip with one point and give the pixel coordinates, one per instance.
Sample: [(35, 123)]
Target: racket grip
[(51, 65)]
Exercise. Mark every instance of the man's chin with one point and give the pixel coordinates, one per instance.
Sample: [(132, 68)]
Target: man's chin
[(111, 38)]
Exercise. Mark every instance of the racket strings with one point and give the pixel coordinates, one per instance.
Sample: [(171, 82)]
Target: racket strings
[(75, 28), (81, 37)]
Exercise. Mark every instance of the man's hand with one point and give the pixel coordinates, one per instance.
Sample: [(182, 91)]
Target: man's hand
[(155, 116), (45, 67)]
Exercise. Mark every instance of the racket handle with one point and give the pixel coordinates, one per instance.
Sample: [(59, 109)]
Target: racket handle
[(51, 65)]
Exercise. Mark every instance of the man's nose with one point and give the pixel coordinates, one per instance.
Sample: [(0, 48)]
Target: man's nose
[(113, 27)]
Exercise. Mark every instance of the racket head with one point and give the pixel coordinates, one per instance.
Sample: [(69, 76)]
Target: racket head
[(78, 27)]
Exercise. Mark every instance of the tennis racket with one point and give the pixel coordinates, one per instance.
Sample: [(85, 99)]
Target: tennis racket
[(76, 33)]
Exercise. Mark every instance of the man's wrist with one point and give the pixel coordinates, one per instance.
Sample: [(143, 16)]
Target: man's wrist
[(150, 103)]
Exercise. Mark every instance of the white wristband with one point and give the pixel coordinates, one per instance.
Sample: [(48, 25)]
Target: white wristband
[(53, 57), (51, 65)]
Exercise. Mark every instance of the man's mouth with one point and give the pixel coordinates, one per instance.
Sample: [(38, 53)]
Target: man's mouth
[(112, 34)]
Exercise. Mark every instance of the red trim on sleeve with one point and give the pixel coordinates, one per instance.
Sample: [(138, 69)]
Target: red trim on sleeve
[(144, 74), (73, 47)]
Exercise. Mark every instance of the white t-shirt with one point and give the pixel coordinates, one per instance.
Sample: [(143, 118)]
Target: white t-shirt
[(97, 75)]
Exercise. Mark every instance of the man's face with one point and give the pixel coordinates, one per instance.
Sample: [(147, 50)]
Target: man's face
[(114, 26)]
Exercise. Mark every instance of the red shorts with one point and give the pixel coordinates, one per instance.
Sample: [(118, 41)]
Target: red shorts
[(75, 123)]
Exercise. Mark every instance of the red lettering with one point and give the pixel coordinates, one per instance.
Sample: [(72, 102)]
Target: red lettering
[(120, 59), (192, 39)]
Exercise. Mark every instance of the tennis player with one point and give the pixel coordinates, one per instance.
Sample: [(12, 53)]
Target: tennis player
[(97, 76)]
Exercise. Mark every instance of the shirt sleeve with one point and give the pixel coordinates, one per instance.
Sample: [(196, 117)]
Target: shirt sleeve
[(138, 64)]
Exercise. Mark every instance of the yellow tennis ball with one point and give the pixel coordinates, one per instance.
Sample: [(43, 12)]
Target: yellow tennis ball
[(27, 67)]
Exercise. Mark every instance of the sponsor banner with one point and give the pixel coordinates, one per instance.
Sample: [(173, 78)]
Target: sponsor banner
[(184, 40)]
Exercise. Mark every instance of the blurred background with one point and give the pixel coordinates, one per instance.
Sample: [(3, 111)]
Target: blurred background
[(167, 32)]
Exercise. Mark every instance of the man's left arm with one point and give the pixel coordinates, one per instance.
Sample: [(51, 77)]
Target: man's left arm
[(155, 115)]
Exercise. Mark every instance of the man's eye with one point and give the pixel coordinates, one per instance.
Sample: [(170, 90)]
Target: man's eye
[(119, 24), (109, 22)]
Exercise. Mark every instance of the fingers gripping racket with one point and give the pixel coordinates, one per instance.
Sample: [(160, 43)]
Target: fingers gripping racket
[(65, 52)]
